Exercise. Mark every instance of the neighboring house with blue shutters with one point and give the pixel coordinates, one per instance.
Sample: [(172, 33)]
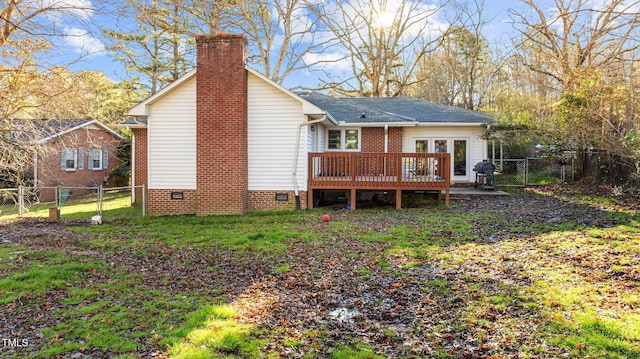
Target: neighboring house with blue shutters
[(73, 153)]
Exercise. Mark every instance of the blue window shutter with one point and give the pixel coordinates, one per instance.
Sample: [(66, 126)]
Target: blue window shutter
[(80, 159), (63, 159), (105, 159)]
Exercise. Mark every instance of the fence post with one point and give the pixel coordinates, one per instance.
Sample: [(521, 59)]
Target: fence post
[(133, 193), (20, 201), (144, 201), (100, 197)]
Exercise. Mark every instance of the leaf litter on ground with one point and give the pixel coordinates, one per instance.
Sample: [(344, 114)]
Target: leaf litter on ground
[(507, 277)]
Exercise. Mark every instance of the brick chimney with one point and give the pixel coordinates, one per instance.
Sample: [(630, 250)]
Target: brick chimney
[(221, 134)]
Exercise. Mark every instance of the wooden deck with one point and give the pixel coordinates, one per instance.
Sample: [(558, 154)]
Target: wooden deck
[(353, 171)]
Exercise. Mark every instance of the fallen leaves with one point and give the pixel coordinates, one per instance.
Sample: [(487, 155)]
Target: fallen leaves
[(468, 296)]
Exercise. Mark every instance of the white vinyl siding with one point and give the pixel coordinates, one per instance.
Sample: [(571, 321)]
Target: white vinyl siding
[(172, 139), (274, 118), (321, 138), (476, 144)]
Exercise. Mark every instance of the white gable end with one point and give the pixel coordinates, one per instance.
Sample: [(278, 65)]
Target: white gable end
[(172, 139), (274, 119)]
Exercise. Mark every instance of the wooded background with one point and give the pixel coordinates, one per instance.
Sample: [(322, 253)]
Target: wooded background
[(565, 79)]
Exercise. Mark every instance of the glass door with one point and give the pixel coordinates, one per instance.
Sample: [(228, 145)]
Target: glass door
[(422, 146), (440, 146), (460, 158), (457, 147)]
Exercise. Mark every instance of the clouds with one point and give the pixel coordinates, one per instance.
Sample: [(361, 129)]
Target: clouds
[(82, 42), (58, 11), (76, 16)]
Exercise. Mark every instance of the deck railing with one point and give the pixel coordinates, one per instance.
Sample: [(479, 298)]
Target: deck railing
[(383, 171)]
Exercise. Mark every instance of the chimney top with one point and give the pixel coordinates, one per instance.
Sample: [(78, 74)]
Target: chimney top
[(220, 35)]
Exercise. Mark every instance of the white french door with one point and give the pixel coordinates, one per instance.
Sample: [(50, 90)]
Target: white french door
[(457, 147)]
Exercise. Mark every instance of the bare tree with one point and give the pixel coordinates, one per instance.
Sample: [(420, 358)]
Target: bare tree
[(383, 41), (452, 74), (284, 36), (20, 19), (33, 73), (581, 46), (209, 16), (30, 32), (578, 35)]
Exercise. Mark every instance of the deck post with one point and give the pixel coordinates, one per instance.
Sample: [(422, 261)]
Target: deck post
[(398, 198), (352, 198)]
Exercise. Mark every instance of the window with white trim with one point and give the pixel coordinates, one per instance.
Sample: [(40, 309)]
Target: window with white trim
[(343, 139), (95, 159), (69, 159)]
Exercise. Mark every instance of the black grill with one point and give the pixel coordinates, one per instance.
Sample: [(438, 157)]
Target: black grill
[(485, 179)]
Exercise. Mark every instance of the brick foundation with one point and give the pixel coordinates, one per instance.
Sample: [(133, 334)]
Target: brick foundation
[(161, 203), (266, 201)]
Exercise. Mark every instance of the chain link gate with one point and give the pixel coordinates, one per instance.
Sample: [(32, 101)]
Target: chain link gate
[(532, 171), (511, 172)]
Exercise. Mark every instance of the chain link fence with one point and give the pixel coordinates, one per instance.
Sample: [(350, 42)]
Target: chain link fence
[(72, 202), (532, 171)]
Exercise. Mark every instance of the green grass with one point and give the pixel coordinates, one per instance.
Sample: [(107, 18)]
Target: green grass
[(581, 281), (212, 332), (39, 272), (115, 205), (360, 351)]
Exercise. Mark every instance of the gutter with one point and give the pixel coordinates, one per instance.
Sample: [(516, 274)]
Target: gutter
[(296, 152), (377, 124)]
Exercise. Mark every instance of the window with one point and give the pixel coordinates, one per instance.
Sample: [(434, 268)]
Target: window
[(96, 159), (348, 139), (68, 159), (457, 147)]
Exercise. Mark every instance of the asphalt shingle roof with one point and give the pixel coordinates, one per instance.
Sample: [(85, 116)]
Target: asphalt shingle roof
[(392, 110), (134, 121), (37, 129)]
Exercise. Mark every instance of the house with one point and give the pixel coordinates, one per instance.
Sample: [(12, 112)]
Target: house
[(225, 139), (77, 154)]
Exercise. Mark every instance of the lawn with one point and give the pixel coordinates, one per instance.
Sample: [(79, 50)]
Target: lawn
[(545, 273), (116, 204)]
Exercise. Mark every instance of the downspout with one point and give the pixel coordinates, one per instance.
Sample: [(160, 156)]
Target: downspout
[(296, 152), (386, 145), (133, 166), (386, 138)]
